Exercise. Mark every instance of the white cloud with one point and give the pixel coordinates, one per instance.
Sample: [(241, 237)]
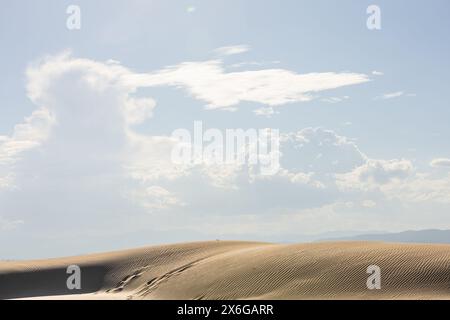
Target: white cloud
[(27, 135), (79, 155), (265, 112), (421, 188), (377, 73), (208, 81), (375, 173), (137, 110), (397, 179), (440, 163), (397, 94), (335, 99), (253, 63), (149, 159), (392, 95), (301, 149), (78, 148), (232, 50)]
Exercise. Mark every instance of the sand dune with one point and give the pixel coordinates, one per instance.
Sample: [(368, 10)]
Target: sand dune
[(240, 270)]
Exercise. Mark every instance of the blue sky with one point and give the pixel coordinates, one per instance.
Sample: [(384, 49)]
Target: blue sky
[(394, 126)]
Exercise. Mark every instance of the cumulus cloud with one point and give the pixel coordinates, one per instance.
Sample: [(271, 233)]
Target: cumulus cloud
[(397, 179), (320, 150), (74, 160), (423, 188), (137, 110), (27, 135), (81, 163), (374, 173)]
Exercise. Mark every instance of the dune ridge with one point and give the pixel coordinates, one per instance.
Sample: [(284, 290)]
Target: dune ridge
[(239, 270)]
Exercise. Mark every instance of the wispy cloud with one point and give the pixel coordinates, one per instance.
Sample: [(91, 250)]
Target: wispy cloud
[(440, 163), (254, 63), (265, 112), (232, 50), (392, 95), (335, 99), (208, 81), (377, 73)]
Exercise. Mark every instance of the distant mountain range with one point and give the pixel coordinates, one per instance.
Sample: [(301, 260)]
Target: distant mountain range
[(419, 236)]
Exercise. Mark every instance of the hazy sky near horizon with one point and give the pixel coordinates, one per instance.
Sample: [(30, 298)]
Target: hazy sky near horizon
[(86, 118)]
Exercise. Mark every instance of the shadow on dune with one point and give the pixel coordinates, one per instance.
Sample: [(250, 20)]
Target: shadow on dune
[(48, 282)]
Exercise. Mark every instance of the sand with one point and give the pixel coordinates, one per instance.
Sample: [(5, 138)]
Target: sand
[(239, 270)]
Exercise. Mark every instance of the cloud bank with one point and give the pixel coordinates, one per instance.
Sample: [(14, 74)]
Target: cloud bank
[(84, 167)]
